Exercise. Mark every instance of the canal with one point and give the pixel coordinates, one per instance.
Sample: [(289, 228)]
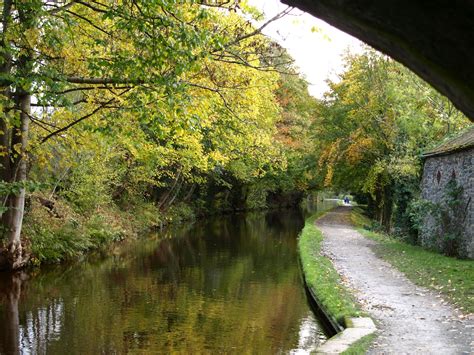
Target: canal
[(229, 284)]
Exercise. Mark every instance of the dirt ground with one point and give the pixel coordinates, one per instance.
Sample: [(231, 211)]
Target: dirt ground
[(410, 319)]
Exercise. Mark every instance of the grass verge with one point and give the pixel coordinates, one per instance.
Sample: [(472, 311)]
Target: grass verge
[(454, 278), (360, 346), (321, 276)]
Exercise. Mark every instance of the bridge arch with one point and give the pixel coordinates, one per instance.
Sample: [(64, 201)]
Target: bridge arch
[(435, 39)]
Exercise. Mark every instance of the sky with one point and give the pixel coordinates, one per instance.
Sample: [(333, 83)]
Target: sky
[(318, 54)]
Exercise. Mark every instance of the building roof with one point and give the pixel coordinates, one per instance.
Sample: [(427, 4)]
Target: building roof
[(462, 141)]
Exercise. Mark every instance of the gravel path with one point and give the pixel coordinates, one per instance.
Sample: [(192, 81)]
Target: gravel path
[(410, 319)]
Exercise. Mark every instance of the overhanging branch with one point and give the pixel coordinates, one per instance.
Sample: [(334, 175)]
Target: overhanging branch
[(65, 128)]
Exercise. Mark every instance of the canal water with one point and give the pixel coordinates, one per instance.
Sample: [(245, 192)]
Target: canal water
[(226, 285)]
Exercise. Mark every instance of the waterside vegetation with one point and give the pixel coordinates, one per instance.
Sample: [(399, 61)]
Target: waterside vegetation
[(321, 276), (111, 125)]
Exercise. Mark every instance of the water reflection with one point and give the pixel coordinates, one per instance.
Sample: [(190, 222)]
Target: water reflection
[(228, 285), (316, 202), (309, 331), (10, 292)]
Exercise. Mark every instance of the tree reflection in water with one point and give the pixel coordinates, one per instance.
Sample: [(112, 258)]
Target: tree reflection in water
[(28, 331), (227, 285)]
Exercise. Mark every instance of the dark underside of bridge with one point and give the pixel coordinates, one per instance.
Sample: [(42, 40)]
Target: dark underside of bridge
[(434, 38)]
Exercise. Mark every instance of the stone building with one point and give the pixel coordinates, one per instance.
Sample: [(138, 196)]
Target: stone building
[(448, 183)]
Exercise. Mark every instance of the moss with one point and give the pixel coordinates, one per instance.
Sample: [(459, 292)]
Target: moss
[(459, 141), (360, 346)]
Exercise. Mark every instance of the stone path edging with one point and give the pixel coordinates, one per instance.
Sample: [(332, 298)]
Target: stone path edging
[(355, 328), (332, 322), (360, 327)]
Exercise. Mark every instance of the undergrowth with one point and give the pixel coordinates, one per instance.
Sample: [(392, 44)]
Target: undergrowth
[(57, 231)]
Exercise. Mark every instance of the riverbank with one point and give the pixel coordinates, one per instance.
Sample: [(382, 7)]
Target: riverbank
[(409, 318), (331, 295), (321, 277), (55, 231)]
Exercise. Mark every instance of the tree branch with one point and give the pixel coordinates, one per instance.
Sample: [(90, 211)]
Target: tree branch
[(88, 21), (93, 8), (65, 128), (73, 104), (101, 81), (260, 29), (59, 8), (87, 88)]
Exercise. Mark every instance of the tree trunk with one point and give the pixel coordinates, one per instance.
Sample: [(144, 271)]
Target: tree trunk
[(178, 189), (165, 197), (387, 215), (384, 204), (18, 137), (16, 202), (5, 70), (378, 206), (190, 193)]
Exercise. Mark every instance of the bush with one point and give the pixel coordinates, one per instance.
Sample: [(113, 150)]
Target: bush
[(179, 213), (256, 197), (101, 231), (59, 233)]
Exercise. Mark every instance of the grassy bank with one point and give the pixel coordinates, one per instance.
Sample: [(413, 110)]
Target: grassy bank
[(321, 276), (55, 231), (454, 278), (60, 227)]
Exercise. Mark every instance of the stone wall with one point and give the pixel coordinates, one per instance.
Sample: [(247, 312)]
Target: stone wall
[(438, 170)]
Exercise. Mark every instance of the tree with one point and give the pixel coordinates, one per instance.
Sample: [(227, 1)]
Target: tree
[(75, 60), (373, 125)]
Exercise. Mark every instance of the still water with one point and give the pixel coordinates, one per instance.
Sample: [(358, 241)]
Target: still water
[(227, 285)]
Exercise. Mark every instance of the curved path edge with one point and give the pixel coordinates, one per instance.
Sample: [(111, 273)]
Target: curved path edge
[(359, 328), (411, 319)]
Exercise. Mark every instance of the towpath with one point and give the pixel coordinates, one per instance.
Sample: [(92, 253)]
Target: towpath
[(410, 319)]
